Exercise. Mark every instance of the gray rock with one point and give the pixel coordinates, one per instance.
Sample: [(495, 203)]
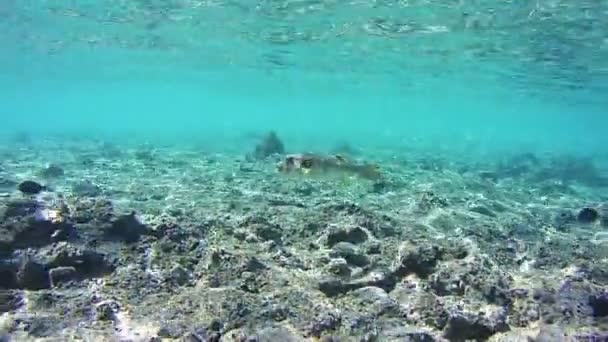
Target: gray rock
[(550, 333), (463, 326), (353, 235), (62, 274), (127, 228), (87, 263), (420, 258), (339, 267), (273, 334), (350, 253), (179, 275)]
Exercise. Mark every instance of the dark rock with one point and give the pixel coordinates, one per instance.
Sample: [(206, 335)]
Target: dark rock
[(179, 275), (332, 287), (374, 247), (350, 253), (87, 263), (52, 171), (33, 276), (339, 267), (465, 326), (587, 215), (29, 187), (216, 325), (419, 337), (106, 311), (10, 300), (373, 298), (418, 259), (599, 304), (127, 228), (21, 208), (269, 232), (8, 275), (254, 265), (86, 189), (353, 235), (88, 209), (62, 274), (28, 224), (324, 323), (171, 330), (269, 145)]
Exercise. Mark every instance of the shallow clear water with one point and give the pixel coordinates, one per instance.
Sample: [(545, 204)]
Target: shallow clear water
[(141, 195), (498, 73)]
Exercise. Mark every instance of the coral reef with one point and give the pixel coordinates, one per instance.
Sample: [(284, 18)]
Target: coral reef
[(173, 245)]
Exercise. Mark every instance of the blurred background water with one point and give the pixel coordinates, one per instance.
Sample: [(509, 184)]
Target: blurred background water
[(490, 74)]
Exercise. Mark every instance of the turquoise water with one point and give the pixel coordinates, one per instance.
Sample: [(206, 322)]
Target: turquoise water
[(493, 74)]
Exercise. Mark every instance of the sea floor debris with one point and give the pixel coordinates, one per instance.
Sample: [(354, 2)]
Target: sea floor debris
[(188, 247)]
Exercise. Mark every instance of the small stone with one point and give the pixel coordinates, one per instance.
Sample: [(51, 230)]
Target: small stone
[(62, 274)]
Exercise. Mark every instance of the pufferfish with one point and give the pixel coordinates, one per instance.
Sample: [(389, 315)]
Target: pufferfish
[(313, 164)]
